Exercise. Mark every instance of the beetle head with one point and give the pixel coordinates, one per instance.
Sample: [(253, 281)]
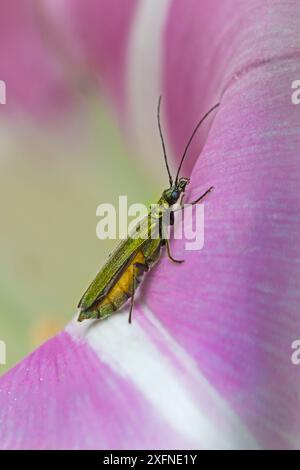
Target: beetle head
[(172, 194)]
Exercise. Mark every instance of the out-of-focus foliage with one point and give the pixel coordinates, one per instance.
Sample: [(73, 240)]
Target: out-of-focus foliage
[(51, 182)]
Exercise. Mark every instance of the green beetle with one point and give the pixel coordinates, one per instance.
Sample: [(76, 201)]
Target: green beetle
[(120, 276)]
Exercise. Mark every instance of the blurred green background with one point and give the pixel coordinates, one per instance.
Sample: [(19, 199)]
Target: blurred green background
[(51, 181)]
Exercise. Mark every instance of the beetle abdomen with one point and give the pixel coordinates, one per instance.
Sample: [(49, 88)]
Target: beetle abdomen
[(120, 292), (123, 289)]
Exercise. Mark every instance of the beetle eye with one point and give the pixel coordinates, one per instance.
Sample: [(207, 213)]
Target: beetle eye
[(175, 194)]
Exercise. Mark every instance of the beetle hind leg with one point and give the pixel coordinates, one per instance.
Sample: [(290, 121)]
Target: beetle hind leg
[(138, 268)]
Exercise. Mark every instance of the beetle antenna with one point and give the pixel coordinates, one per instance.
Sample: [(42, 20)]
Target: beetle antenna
[(163, 143), (191, 138)]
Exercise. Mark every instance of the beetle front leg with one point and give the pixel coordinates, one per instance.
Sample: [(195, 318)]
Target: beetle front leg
[(172, 218), (202, 196), (167, 242)]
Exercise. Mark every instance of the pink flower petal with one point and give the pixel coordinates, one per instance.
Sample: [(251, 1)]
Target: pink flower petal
[(207, 362), (34, 75), (239, 297), (62, 397), (143, 393), (98, 30)]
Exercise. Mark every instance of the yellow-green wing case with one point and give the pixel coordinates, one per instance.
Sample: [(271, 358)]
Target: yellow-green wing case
[(118, 260)]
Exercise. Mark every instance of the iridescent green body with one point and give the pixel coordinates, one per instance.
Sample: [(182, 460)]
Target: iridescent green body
[(123, 271), (119, 278)]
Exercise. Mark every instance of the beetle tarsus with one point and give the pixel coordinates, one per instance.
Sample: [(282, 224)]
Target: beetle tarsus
[(169, 253)]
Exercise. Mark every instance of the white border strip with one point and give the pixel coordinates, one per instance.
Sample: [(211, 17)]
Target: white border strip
[(130, 353)]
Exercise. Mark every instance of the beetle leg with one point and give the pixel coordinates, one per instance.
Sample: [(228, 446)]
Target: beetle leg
[(170, 256), (195, 202), (132, 300), (169, 252), (172, 218), (144, 268), (160, 228), (202, 196)]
